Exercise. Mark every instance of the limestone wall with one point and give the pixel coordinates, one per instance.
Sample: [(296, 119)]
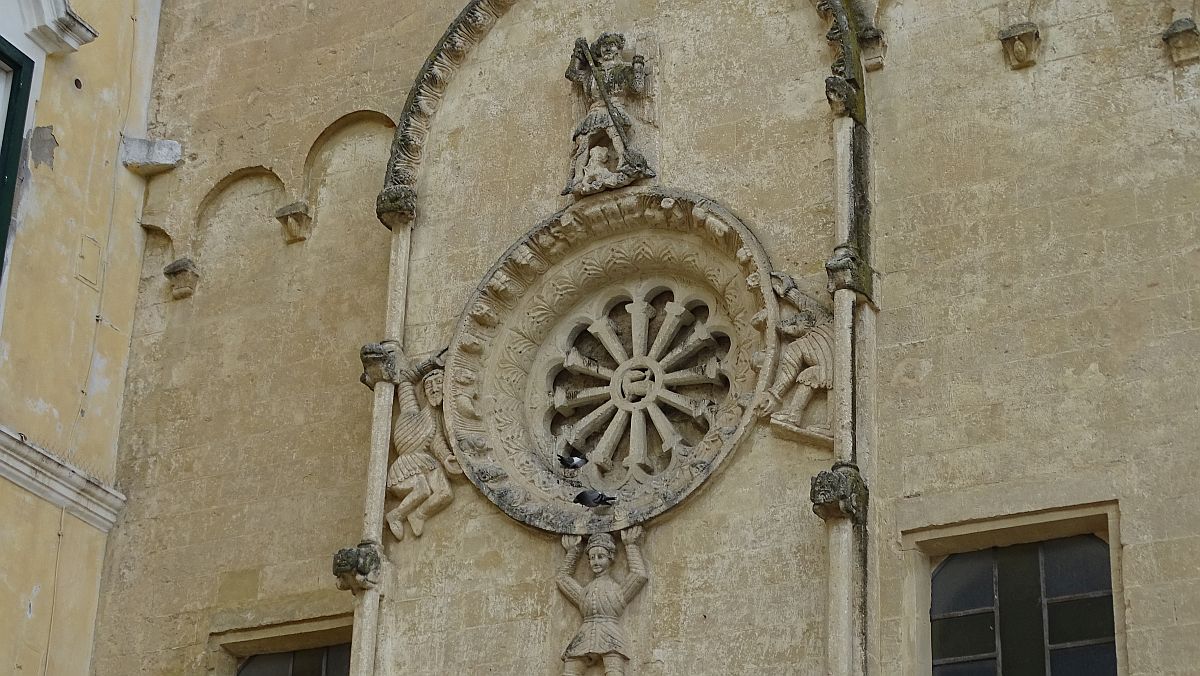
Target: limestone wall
[(1032, 229), (1037, 234), (245, 435)]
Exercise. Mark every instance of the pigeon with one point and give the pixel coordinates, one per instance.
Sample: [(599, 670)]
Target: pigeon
[(572, 461), (591, 498)]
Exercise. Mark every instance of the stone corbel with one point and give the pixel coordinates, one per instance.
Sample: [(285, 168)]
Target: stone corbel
[(379, 362), (847, 270), (146, 157), (871, 43), (357, 568), (184, 277), (55, 26), (840, 493), (844, 88), (1183, 41), (296, 221), (396, 206), (1021, 43), (873, 47)]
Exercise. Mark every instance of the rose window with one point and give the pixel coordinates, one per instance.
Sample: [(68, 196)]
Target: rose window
[(612, 347), (638, 386)]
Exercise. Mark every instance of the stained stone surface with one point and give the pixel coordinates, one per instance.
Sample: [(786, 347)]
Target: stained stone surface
[(1036, 234), (619, 330)]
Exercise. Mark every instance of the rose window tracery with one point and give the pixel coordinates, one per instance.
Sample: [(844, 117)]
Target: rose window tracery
[(639, 386), (620, 330)]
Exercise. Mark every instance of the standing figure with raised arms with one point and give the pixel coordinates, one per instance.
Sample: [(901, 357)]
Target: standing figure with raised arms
[(601, 638)]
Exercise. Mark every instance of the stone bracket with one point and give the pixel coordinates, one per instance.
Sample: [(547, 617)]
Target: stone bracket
[(146, 157), (380, 363), (848, 270), (184, 276), (396, 206), (1021, 43), (296, 221), (840, 493), (357, 568), (1183, 41)]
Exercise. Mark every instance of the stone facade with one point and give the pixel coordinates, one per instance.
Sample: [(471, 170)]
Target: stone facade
[(939, 280)]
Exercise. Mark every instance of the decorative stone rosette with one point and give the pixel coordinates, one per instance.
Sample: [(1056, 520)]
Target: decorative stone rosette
[(618, 330)]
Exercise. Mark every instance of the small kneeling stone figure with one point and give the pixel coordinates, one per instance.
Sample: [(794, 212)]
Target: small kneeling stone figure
[(601, 602)]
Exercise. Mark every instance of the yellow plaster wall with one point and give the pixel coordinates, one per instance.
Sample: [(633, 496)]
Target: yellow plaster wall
[(50, 565), (64, 341)]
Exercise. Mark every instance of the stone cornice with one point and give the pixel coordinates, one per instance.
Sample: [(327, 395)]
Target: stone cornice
[(55, 26), (57, 482)]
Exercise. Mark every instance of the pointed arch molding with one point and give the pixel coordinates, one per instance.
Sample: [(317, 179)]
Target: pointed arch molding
[(397, 202)]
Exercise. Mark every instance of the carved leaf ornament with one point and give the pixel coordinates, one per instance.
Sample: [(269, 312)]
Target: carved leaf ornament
[(617, 330)]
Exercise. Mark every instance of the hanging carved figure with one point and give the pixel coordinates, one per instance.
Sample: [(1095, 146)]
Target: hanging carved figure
[(806, 364), (601, 638), (417, 478), (606, 81)]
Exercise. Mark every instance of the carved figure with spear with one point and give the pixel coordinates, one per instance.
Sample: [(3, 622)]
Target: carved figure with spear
[(606, 81)]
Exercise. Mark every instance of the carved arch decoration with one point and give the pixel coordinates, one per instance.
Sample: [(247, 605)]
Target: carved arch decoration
[(620, 329), (397, 202)]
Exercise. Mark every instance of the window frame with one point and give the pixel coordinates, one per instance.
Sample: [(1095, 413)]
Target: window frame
[(21, 67), (244, 662), (229, 647), (925, 547)]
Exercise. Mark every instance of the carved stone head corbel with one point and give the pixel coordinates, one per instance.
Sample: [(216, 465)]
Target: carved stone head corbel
[(381, 362), (357, 568), (840, 493)]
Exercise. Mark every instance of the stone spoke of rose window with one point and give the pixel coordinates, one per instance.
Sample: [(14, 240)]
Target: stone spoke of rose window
[(687, 405), (666, 431), (591, 423), (607, 445), (699, 339), (566, 401), (603, 330), (640, 314), (677, 316), (708, 373), (578, 364), (637, 440)]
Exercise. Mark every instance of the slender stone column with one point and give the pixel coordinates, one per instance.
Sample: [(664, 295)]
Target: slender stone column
[(366, 611)]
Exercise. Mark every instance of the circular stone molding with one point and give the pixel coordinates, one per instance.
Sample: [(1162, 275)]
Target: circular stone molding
[(618, 330)]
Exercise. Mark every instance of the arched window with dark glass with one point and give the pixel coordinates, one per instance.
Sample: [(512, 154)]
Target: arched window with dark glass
[(330, 661), (1037, 609)]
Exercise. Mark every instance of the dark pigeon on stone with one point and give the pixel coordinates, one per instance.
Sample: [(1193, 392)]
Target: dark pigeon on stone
[(572, 461), (591, 498)]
